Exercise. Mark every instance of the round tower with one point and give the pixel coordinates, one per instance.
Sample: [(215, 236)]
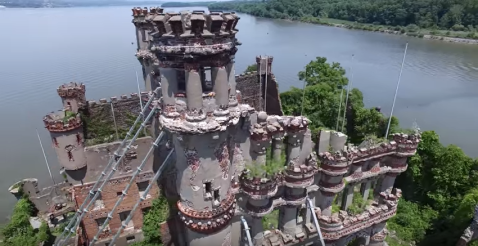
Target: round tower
[(145, 31), (72, 95), (67, 138), (195, 52)]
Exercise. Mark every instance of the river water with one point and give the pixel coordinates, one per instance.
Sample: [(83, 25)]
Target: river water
[(43, 48)]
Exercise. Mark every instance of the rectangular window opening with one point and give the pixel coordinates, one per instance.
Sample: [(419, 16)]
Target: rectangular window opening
[(100, 223), (206, 79), (207, 190), (142, 189), (119, 193), (130, 239), (216, 195), (208, 187), (123, 216), (181, 78), (99, 203)]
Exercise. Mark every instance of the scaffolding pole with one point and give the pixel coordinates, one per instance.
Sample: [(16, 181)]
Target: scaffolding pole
[(246, 229), (131, 182), (70, 228), (316, 222), (141, 198)]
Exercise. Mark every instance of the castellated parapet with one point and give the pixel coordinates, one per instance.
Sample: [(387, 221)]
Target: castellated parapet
[(67, 138), (72, 95)]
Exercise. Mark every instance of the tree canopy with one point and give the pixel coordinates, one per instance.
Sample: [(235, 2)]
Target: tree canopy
[(325, 93), (445, 14), (19, 231)]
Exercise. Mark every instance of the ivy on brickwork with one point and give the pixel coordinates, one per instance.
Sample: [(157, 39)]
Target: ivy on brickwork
[(19, 231), (152, 220), (98, 130)]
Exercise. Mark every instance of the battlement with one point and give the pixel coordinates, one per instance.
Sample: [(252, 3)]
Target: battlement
[(137, 12), (402, 145), (121, 99), (264, 64), (62, 121), (186, 24), (71, 89)]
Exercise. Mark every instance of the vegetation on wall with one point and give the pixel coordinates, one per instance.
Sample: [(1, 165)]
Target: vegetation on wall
[(270, 169), (157, 214), (405, 16), (98, 130), (19, 231), (251, 68)]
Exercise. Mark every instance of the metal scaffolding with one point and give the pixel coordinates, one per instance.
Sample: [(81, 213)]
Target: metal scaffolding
[(316, 222), (141, 198), (115, 160), (246, 229)]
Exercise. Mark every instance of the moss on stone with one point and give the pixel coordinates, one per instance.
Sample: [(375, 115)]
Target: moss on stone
[(271, 220)]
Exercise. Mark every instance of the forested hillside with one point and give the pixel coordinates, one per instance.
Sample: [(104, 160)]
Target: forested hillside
[(457, 15)]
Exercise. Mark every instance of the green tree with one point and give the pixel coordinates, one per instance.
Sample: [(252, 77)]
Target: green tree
[(325, 87), (251, 68)]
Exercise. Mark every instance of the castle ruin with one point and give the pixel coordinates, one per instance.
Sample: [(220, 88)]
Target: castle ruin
[(235, 154)]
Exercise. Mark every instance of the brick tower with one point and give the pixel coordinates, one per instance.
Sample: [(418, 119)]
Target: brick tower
[(66, 131)]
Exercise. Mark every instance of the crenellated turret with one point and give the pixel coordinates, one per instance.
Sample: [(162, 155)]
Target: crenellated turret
[(66, 131), (72, 95)]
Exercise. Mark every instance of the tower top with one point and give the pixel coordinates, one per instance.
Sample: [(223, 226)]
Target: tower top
[(186, 24), (71, 89), (62, 121)]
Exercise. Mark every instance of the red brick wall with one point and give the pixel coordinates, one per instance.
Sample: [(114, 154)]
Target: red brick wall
[(109, 197)]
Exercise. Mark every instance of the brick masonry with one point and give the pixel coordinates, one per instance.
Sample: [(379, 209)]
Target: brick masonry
[(110, 195)]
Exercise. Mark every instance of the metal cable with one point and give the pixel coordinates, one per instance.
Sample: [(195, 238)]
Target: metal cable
[(316, 222), (125, 191), (141, 198), (69, 227), (110, 174), (246, 229)]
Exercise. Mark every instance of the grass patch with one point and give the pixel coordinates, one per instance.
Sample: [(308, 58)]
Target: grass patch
[(271, 219)]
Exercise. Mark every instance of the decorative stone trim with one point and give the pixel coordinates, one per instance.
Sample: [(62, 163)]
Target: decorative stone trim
[(174, 121), (331, 188), (260, 211), (55, 123), (298, 200), (366, 175), (258, 189), (209, 221)]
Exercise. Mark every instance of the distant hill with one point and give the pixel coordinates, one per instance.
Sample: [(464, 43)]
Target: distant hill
[(186, 4), (75, 3)]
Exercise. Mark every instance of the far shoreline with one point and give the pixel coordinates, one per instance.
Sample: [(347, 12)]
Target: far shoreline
[(371, 28)]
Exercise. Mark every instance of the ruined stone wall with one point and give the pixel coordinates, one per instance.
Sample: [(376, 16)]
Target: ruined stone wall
[(252, 92), (274, 106), (250, 88), (99, 155), (101, 208), (98, 117), (44, 199)]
